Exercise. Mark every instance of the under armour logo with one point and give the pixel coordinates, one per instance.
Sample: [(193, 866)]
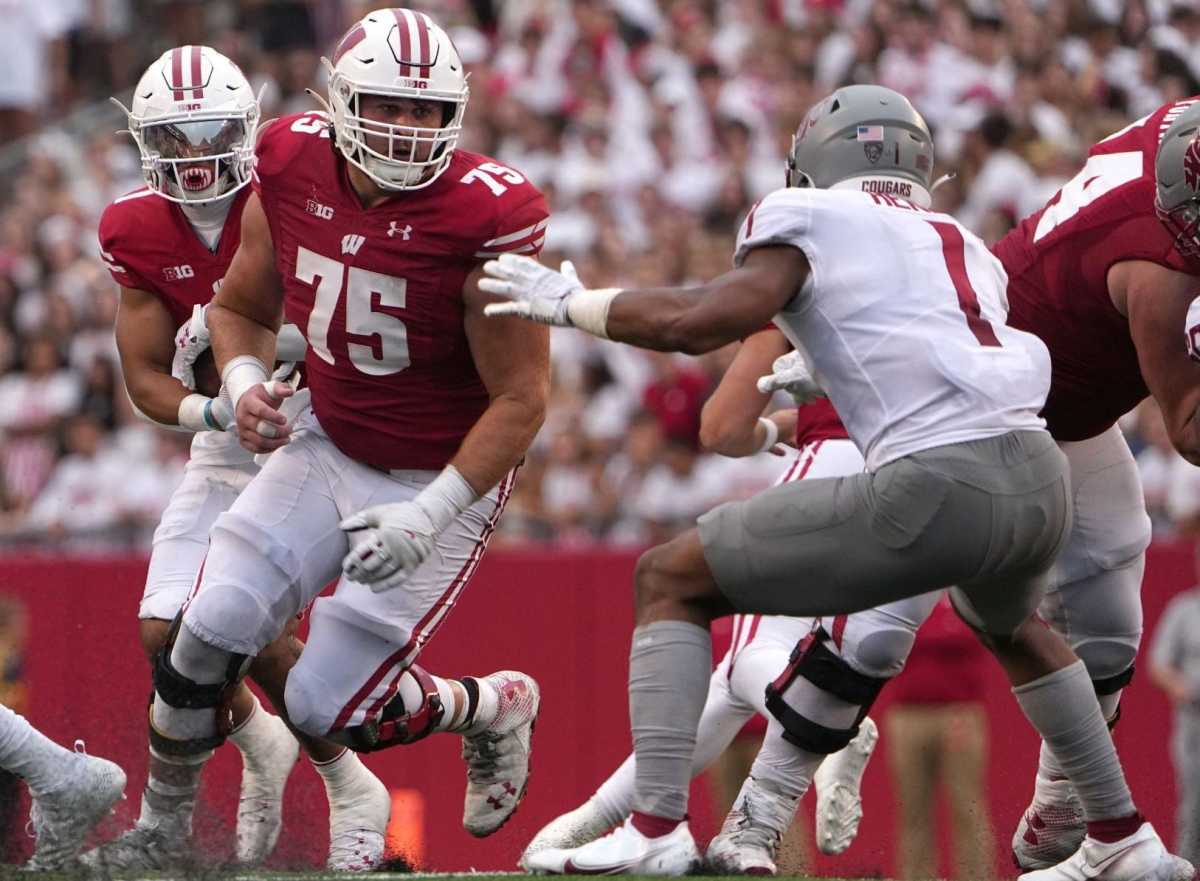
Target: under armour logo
[(498, 802), (405, 231), (351, 244)]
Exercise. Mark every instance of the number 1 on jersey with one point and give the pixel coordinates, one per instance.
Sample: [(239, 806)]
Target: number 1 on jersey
[(362, 315), (954, 250)]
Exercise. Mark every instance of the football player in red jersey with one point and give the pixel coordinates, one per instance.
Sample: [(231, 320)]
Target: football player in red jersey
[(168, 245), (368, 229)]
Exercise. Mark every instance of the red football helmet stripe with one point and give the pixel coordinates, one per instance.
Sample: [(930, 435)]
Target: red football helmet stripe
[(353, 37), (177, 73), (197, 82), (423, 32), (403, 24)]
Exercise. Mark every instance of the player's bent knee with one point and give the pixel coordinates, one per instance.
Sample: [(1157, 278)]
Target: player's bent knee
[(881, 654), (152, 633), (308, 703), (674, 575), (1109, 661)]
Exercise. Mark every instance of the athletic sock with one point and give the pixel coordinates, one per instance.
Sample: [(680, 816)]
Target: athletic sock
[(31, 755), (1062, 706), (669, 668)]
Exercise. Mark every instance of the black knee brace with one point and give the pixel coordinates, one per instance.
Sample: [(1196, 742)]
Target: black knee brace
[(176, 690), (812, 660), (394, 726), (1111, 685)]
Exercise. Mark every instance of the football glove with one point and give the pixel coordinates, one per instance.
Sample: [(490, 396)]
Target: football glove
[(537, 292), (399, 538), (190, 342), (791, 374)]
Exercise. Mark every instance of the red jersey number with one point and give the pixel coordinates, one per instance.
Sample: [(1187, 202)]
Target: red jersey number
[(363, 315)]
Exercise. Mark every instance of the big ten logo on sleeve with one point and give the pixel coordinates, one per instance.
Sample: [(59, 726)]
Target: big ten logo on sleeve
[(178, 273), (312, 206)]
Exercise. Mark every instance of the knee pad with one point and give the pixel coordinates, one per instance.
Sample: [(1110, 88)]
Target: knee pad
[(814, 661), (180, 692), (396, 724), (880, 653)]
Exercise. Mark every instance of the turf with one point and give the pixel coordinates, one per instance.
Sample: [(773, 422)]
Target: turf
[(8, 873)]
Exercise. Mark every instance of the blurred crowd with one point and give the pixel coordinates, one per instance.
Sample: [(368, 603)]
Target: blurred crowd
[(651, 126)]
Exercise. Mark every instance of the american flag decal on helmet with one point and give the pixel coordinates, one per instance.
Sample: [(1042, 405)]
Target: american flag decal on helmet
[(414, 48), (186, 75)]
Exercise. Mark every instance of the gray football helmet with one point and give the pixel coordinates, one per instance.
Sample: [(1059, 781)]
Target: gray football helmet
[(1177, 181), (863, 132)]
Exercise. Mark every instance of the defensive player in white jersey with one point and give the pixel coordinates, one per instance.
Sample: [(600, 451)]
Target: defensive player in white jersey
[(71, 791), (194, 119), (943, 400), (732, 424)]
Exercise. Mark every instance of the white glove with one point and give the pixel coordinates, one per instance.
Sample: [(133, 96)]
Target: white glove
[(538, 292), (400, 538), (1192, 330), (790, 373), (190, 342)]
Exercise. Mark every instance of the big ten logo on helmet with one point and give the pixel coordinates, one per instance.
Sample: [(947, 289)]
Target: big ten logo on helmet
[(312, 206), (178, 273)]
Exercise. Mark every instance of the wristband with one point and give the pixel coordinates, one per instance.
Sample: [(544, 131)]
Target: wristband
[(446, 497), (772, 434), (242, 374), (588, 310), (193, 413)]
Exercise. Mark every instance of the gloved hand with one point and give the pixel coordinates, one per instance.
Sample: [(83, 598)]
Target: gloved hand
[(191, 340), (399, 537), (537, 292), (790, 373)]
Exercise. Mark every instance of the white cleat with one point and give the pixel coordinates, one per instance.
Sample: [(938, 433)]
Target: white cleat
[(260, 806), (573, 829), (143, 848), (838, 783), (63, 818), (357, 826), (1052, 827), (624, 851), (1139, 857), (748, 842), (498, 757)]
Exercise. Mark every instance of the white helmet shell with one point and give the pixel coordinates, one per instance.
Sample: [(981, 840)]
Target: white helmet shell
[(398, 53), (194, 119)]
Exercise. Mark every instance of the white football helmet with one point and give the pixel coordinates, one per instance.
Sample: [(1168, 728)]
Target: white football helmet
[(398, 53), (194, 119)]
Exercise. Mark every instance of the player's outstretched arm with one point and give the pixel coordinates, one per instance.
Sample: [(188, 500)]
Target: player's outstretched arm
[(243, 320), (145, 335), (731, 422), (691, 320), (1156, 300)]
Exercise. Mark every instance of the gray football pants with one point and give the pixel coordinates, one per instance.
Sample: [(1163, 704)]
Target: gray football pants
[(986, 517)]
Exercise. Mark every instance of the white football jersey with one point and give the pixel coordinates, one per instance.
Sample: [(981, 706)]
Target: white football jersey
[(903, 319)]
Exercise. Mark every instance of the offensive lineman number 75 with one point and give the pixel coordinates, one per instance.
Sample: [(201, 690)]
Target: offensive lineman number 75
[(362, 318)]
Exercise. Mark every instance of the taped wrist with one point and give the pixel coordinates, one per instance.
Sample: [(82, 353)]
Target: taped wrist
[(446, 497), (196, 414), (241, 374), (772, 431), (588, 310)]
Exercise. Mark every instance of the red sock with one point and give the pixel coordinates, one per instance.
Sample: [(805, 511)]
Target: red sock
[(1115, 829), (652, 826)]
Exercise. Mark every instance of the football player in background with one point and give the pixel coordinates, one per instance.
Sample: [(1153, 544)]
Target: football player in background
[(732, 424), (368, 229), (943, 399), (194, 119)]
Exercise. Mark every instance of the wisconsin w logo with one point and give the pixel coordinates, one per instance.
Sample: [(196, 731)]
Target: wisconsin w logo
[(351, 244)]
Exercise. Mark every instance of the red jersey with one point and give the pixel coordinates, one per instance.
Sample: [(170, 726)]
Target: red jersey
[(148, 245), (378, 292), (818, 421), (1058, 260)]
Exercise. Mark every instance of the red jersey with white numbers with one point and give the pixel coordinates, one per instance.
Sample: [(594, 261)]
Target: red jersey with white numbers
[(1057, 262), (148, 245), (378, 291)]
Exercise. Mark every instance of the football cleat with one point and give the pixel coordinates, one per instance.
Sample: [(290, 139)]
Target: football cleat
[(143, 848), (62, 819), (498, 757), (1138, 857), (572, 829), (749, 838), (358, 822), (624, 851), (1052, 827), (260, 806), (839, 798)]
